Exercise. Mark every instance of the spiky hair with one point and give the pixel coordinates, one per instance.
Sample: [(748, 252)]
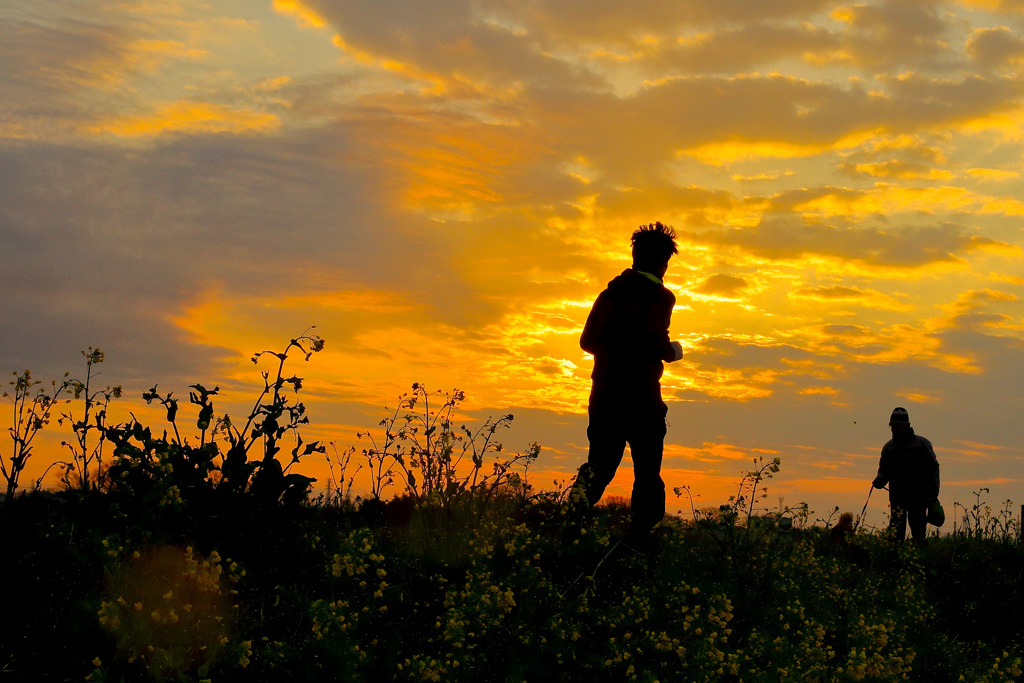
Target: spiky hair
[(654, 242)]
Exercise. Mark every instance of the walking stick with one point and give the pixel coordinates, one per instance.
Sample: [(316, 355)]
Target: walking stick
[(865, 509)]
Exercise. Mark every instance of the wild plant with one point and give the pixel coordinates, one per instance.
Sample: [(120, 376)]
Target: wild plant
[(32, 405), (85, 468), (752, 490), (740, 521), (339, 489), (385, 455), (978, 521), (177, 465), (424, 447), (833, 515), (747, 494), (679, 491), (444, 469)]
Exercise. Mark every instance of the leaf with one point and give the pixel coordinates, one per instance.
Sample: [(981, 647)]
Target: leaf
[(205, 417)]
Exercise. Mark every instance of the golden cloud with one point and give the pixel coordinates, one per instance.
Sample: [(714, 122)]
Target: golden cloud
[(918, 396), (900, 343), (993, 174), (302, 14), (713, 452), (888, 199), (903, 170), (768, 175), (187, 116), (848, 294), (272, 83), (809, 242), (148, 55), (733, 151), (978, 298), (742, 385), (380, 342), (818, 391)]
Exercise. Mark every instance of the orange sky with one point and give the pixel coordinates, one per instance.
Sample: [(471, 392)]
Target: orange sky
[(443, 189)]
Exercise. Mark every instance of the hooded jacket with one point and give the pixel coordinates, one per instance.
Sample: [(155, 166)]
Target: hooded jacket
[(627, 333), (908, 464)]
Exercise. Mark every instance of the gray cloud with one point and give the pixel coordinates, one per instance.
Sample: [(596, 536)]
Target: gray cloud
[(834, 293), (609, 21), (449, 38), (995, 47), (561, 103), (721, 284), (741, 49), (897, 33), (102, 246), (1010, 7), (644, 132), (43, 64), (892, 168), (906, 247)]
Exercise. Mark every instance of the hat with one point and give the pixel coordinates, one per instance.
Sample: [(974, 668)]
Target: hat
[(899, 417)]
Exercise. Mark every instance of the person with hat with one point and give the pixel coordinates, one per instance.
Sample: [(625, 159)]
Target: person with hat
[(909, 466)]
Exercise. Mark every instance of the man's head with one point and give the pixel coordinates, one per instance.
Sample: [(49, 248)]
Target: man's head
[(899, 420), (653, 245)]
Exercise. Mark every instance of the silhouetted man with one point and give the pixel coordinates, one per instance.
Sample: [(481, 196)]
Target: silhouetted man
[(908, 464), (627, 332)]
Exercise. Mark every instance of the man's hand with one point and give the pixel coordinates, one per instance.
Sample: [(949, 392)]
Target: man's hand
[(878, 483), (678, 348)]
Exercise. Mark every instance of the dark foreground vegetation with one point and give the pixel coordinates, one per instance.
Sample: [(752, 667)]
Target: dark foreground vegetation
[(202, 558)]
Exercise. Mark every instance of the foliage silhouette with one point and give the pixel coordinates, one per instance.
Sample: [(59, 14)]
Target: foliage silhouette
[(33, 404), (173, 470)]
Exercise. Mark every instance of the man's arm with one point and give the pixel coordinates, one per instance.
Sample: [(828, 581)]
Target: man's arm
[(882, 478), (666, 349), (933, 463), (594, 338)]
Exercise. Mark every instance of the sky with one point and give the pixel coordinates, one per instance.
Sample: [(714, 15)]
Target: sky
[(443, 188)]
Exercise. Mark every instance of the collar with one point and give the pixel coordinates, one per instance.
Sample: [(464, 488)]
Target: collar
[(650, 276)]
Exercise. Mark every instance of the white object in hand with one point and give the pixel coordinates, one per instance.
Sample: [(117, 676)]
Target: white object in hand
[(678, 349)]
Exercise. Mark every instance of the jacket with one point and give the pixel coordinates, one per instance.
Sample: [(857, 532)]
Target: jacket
[(627, 333), (908, 464)]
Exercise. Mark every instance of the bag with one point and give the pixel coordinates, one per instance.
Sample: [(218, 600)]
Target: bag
[(936, 515)]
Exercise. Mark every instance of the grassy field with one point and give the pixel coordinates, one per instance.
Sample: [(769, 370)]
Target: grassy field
[(201, 558), (106, 589)]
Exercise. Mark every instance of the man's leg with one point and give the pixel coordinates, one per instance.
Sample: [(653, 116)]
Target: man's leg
[(607, 443), (647, 445), (916, 515), (897, 520)]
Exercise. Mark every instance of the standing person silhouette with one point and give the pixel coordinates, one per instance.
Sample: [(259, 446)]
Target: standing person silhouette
[(908, 464), (627, 332)]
